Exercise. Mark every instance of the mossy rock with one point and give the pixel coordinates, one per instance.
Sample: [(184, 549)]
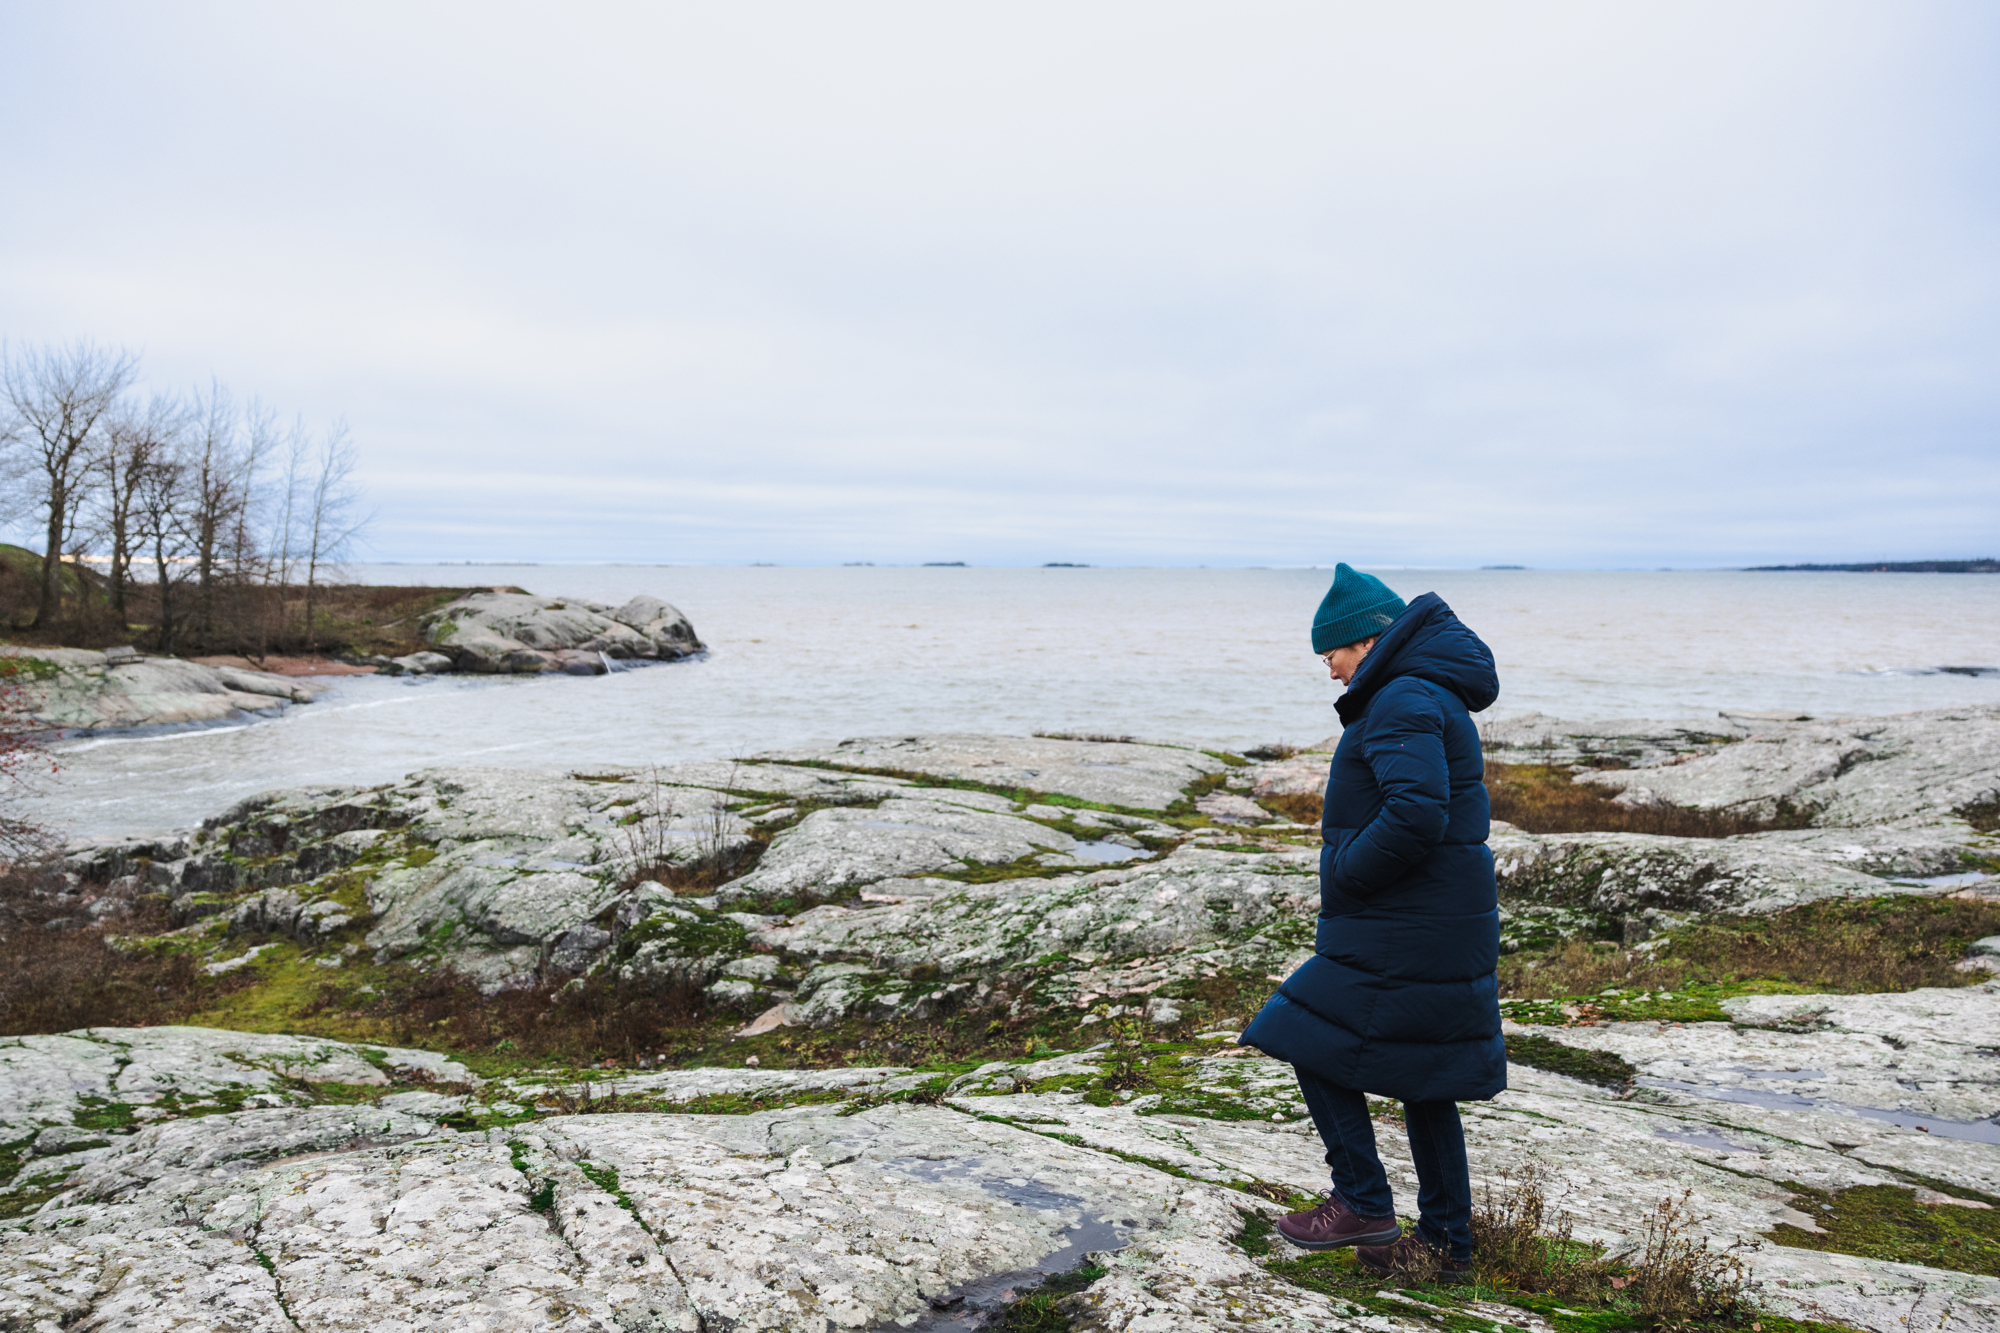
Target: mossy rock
[(1891, 1222)]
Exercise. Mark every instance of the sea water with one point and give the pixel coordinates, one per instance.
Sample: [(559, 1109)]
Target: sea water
[(1219, 657)]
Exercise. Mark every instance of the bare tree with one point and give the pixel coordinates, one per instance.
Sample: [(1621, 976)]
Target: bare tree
[(281, 544), (59, 399), (137, 442), (331, 525), (161, 531), (212, 494)]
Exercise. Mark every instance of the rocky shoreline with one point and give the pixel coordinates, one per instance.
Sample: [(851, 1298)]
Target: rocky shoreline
[(81, 691), (1134, 896)]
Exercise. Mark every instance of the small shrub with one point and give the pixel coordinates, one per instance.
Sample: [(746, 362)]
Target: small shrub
[(1674, 1277), (1271, 753), (1519, 1243)]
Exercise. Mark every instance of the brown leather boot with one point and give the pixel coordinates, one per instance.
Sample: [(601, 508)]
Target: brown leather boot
[(1413, 1259), (1333, 1224)]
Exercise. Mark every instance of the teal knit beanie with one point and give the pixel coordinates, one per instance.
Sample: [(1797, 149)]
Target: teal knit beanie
[(1356, 606)]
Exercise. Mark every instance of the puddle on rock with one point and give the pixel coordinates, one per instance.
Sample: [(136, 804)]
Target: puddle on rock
[(1978, 1131), (1800, 1075), (1106, 851), (1700, 1138), (1942, 881), (972, 1302)]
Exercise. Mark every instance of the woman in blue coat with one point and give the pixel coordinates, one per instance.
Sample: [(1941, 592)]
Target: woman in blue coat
[(1400, 997)]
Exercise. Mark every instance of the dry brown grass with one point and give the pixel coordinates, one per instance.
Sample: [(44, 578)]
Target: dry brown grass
[(1542, 798), (1841, 947), (1301, 808), (1668, 1276), (1539, 798), (254, 620), (55, 980), (1520, 1243), (1673, 1276), (598, 1020)]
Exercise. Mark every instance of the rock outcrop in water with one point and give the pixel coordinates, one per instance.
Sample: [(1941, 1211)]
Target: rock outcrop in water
[(502, 632), (76, 689), (252, 1182)]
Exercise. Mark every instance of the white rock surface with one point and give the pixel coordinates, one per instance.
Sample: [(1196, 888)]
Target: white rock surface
[(1908, 768), (48, 1080), (1628, 875), (834, 850), (1130, 774), (856, 1215), (73, 689)]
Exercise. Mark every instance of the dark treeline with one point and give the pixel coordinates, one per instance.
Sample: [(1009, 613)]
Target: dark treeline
[(191, 523), (1893, 567)]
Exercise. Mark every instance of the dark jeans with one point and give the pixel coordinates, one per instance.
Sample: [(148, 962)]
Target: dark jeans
[(1437, 1146)]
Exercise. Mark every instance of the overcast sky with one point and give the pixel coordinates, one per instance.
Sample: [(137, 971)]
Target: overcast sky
[(1239, 283)]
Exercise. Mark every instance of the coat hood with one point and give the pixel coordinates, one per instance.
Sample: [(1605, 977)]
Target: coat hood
[(1428, 642)]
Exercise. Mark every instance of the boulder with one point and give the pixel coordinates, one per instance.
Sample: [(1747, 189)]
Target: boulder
[(502, 632), (281, 912), (417, 664)]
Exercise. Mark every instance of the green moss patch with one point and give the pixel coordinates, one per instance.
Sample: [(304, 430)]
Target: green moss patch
[(1888, 1222), (1600, 1067)]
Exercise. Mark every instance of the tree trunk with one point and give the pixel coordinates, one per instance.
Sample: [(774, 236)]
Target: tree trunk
[(49, 607)]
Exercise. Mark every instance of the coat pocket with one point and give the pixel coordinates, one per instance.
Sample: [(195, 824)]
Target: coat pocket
[(1334, 899)]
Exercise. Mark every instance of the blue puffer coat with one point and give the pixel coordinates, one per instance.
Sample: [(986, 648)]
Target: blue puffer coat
[(1401, 997)]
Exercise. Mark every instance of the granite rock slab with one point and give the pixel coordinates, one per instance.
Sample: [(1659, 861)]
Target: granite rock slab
[(81, 691), (861, 1214), (1126, 774)]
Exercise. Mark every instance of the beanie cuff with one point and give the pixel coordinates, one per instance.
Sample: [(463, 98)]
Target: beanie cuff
[(1356, 625)]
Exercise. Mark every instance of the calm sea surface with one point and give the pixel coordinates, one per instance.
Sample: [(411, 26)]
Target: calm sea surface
[(1216, 656)]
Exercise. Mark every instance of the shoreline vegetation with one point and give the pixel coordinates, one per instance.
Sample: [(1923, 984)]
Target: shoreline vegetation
[(251, 621)]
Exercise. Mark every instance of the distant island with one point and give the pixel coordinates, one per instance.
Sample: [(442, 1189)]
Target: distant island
[(1895, 567)]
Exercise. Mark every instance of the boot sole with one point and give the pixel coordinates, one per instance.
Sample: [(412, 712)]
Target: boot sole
[(1389, 1237)]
